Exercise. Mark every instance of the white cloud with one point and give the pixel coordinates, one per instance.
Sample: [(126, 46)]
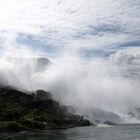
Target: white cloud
[(128, 62), (65, 19)]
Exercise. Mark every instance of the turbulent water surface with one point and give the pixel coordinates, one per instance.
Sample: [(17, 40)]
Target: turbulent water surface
[(120, 132)]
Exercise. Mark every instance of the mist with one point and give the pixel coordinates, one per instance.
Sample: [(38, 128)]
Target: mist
[(73, 81), (86, 53)]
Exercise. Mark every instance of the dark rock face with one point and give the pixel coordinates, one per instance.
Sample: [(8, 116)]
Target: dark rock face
[(41, 95), (37, 110), (109, 122), (11, 126)]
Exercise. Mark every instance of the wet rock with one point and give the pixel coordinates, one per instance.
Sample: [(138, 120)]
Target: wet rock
[(34, 111), (109, 122), (11, 126)]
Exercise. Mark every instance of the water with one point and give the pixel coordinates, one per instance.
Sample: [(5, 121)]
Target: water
[(120, 132)]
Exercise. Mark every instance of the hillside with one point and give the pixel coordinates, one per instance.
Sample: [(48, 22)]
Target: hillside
[(34, 111)]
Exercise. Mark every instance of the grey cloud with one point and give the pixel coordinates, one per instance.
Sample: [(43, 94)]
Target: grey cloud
[(128, 63)]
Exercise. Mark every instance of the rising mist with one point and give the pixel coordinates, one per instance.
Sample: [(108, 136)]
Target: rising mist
[(86, 53)]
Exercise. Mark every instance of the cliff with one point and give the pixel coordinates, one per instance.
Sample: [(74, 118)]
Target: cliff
[(34, 111)]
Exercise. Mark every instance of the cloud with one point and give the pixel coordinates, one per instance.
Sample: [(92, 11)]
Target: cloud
[(84, 23), (128, 61)]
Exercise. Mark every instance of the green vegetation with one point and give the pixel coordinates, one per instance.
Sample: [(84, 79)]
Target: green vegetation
[(11, 126), (35, 111)]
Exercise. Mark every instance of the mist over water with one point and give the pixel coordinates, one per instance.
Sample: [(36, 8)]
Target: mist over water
[(73, 81), (86, 53)]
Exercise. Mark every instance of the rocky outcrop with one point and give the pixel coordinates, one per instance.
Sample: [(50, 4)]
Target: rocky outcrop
[(102, 117), (37, 110), (109, 122)]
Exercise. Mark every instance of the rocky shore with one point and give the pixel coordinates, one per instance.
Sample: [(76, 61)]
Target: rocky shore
[(23, 111)]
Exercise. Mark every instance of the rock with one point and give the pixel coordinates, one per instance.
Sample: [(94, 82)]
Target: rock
[(35, 111), (100, 116), (32, 124), (109, 122), (41, 95), (11, 126)]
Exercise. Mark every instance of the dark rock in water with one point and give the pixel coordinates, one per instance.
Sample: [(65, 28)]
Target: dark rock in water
[(23, 111), (135, 113), (109, 122), (100, 116)]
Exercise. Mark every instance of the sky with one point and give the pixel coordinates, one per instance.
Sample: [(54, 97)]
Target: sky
[(104, 29), (88, 27), (96, 42)]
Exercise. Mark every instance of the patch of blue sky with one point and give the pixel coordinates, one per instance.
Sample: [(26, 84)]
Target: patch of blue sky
[(106, 51), (101, 29), (50, 46), (92, 53), (133, 43)]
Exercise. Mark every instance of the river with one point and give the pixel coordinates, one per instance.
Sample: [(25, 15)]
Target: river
[(102, 132)]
